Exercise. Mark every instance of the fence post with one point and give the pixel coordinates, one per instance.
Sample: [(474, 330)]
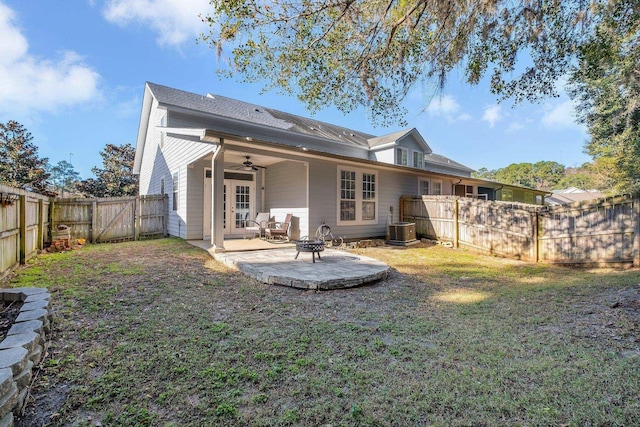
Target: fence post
[(23, 228), (40, 224), (536, 248), (137, 220), (456, 230), (94, 221), (165, 198), (636, 238)]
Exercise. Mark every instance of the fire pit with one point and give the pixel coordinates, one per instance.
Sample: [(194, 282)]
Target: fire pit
[(313, 246)]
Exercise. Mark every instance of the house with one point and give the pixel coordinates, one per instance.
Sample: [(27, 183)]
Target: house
[(221, 161), (571, 195)]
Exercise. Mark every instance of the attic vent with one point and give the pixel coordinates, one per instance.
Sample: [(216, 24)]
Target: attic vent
[(352, 134), (210, 95), (256, 110), (312, 128)]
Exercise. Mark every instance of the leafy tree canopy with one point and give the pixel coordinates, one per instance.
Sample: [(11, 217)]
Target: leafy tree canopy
[(20, 166), (116, 177), (606, 85), (549, 175), (352, 53), (63, 176)]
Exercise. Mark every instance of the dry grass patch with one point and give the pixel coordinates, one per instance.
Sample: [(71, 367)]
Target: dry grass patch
[(157, 333)]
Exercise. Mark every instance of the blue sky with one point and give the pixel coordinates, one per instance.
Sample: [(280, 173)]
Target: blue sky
[(73, 73)]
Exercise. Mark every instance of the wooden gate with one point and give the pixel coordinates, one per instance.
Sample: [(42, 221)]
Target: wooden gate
[(112, 219)]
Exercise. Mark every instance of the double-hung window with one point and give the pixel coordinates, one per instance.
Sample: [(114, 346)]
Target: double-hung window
[(358, 192), (418, 159), (423, 187), (175, 186), (402, 156)]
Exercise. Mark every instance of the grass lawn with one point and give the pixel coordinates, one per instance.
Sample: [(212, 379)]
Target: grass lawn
[(157, 333)]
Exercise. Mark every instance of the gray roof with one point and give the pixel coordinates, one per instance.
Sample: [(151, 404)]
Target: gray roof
[(255, 114), (444, 161), (252, 113)]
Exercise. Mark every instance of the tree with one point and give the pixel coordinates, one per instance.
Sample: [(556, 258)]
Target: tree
[(542, 175), (20, 165), (64, 176), (606, 85), (588, 176), (352, 53), (116, 178)]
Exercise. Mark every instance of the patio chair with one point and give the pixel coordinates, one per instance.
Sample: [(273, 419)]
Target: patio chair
[(257, 226), (278, 230)]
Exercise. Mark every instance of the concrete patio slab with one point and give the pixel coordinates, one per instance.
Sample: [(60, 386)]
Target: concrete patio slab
[(337, 269)]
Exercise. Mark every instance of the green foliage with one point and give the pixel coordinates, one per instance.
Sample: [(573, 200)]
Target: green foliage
[(63, 176), (542, 175), (371, 53), (606, 85), (116, 178), (20, 166)]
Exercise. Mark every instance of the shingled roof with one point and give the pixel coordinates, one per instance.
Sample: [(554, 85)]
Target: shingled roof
[(252, 113)]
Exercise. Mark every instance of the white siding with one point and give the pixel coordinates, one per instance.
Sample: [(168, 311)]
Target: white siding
[(385, 156), (286, 192)]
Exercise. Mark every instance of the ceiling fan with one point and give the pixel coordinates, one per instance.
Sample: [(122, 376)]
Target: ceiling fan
[(249, 166)]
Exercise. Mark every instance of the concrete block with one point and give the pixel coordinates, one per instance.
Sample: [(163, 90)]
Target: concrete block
[(27, 326), (23, 380), (38, 297), (6, 378), (7, 420), (27, 340), (20, 294), (14, 358), (8, 401), (43, 303), (36, 355), (39, 314), (22, 395)]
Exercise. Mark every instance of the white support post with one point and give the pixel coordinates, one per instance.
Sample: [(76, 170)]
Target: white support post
[(217, 198)]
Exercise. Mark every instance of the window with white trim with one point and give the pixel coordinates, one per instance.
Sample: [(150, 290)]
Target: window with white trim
[(418, 159), (175, 183), (347, 195), (402, 156), (358, 192), (423, 187), (436, 187), (368, 196)]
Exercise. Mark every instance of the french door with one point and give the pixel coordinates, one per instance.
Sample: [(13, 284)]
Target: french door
[(239, 202)]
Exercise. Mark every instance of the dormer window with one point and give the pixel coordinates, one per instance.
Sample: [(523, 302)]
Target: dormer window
[(418, 159), (402, 156)]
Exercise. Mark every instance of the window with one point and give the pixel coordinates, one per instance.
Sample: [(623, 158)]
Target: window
[(368, 196), (402, 156), (436, 188), (507, 195), (358, 194), (347, 195), (418, 159), (528, 198), (163, 123), (176, 179), (423, 187)]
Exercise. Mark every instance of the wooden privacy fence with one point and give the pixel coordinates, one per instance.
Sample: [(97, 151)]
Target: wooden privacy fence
[(24, 225), (600, 233), (26, 221), (112, 219)]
